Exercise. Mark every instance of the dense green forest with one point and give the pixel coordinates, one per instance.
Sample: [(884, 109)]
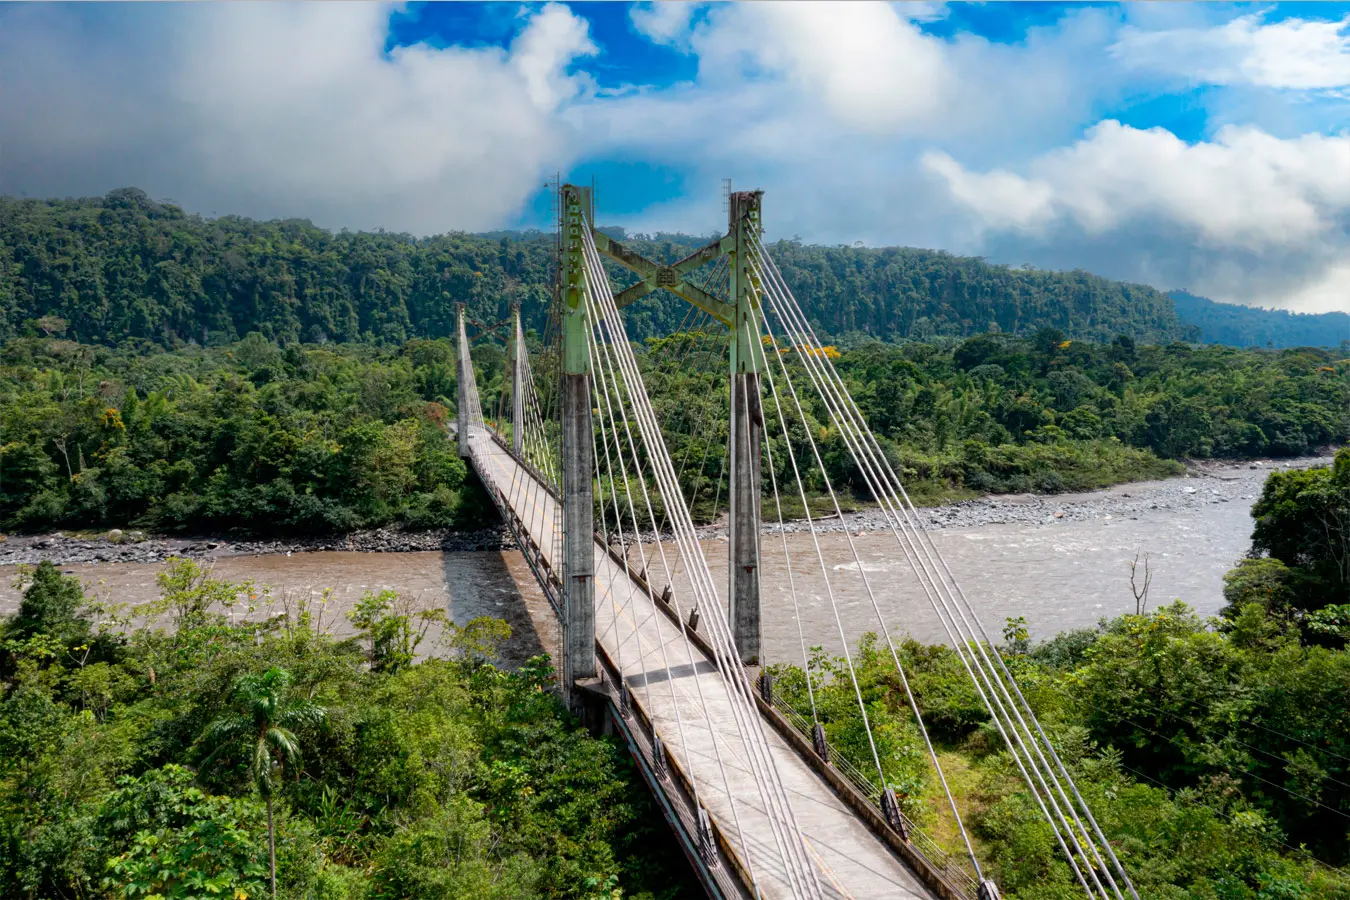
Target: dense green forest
[(254, 437), (399, 764), (1215, 753), (126, 269), (251, 438), (147, 765), (1246, 326)]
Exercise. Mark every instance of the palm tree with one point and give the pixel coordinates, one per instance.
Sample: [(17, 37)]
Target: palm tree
[(261, 724)]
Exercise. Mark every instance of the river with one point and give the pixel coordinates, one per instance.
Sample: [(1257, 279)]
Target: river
[(1061, 562)]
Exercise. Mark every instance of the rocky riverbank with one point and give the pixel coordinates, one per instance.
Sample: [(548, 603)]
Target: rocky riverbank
[(136, 547), (1204, 483)]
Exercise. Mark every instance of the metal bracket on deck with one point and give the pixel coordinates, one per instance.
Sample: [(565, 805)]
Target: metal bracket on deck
[(988, 891), (890, 808), (707, 845), (818, 741), (693, 619), (658, 757), (766, 688), (624, 707)]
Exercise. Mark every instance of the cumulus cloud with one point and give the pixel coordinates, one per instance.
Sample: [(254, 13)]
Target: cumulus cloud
[(862, 127), (288, 110), (1258, 215), (866, 64), (859, 123), (664, 23), (1293, 54), (1245, 188)]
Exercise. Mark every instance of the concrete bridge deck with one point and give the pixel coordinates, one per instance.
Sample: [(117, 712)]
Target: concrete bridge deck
[(644, 644)]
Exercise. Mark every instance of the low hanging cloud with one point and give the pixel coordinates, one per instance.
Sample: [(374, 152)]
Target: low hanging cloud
[(1258, 218), (286, 110)]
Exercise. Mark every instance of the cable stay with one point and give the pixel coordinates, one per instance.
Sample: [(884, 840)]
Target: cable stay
[(643, 524), (1079, 836), (619, 381)]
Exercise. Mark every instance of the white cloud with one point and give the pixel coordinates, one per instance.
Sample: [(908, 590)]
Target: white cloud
[(1245, 189), (859, 125), (291, 110), (1247, 217), (862, 127), (667, 23), (1328, 291), (1001, 199), (922, 11), (865, 64), (1292, 54), (544, 51)]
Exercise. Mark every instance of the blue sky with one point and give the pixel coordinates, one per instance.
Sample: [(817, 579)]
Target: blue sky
[(1203, 146)]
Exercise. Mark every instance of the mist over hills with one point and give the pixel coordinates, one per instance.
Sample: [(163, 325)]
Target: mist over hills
[(125, 268)]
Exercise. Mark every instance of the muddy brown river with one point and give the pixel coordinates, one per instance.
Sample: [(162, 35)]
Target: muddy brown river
[(1059, 572)]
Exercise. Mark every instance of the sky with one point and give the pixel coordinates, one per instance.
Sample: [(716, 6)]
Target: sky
[(1197, 146)]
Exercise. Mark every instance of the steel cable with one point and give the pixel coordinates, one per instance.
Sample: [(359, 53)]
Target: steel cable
[(780, 812), (817, 365)]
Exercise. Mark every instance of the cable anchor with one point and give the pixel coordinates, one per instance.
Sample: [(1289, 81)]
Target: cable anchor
[(707, 845), (890, 810), (658, 757)]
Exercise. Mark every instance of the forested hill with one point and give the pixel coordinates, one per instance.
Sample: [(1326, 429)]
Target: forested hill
[(1246, 326), (126, 268)]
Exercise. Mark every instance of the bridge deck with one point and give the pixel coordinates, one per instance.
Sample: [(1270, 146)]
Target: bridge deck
[(643, 643)]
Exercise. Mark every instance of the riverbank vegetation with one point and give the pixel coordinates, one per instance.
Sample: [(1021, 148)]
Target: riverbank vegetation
[(256, 438), (1215, 753), (138, 763)]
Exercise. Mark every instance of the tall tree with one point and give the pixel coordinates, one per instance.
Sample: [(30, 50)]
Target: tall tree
[(261, 726), (1303, 520)]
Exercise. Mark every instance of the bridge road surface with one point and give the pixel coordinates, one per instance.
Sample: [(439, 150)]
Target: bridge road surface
[(850, 860)]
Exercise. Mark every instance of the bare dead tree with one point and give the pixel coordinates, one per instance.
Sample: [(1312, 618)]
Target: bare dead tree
[(60, 443), (1335, 522), (1140, 593)]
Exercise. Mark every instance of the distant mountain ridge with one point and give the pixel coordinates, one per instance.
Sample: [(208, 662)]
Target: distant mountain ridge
[(124, 267), (1249, 326)]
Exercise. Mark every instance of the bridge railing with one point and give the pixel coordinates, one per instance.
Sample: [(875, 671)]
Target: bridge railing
[(953, 867), (500, 440), (719, 866), (957, 881), (535, 558), (942, 871)]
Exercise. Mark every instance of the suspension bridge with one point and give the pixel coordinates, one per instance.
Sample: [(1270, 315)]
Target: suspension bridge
[(654, 650)]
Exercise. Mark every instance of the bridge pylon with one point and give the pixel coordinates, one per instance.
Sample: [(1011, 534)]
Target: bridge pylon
[(739, 311), (516, 353), (578, 519), (461, 388), (746, 432)]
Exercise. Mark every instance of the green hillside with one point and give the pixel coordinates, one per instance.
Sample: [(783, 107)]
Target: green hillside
[(125, 268), (1249, 326)]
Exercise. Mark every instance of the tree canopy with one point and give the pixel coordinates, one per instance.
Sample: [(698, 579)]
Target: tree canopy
[(125, 268)]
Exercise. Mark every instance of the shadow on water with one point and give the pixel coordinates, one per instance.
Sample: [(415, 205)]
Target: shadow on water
[(482, 584)]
